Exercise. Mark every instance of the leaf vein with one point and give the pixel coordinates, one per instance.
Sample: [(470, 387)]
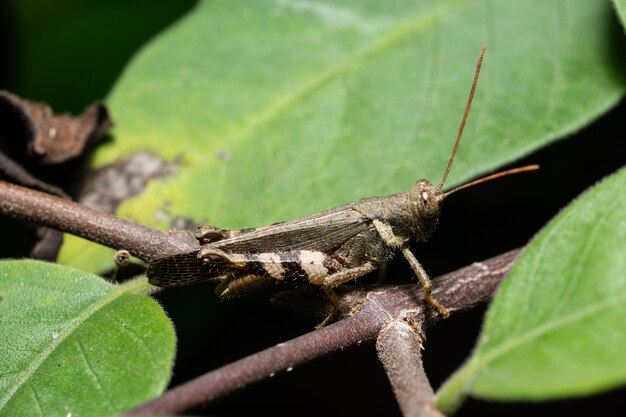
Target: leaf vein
[(93, 373), (538, 331), (36, 363), (400, 32)]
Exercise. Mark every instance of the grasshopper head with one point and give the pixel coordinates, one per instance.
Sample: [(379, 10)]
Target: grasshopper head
[(426, 200)]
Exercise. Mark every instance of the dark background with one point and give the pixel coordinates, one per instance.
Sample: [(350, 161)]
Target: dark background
[(69, 53)]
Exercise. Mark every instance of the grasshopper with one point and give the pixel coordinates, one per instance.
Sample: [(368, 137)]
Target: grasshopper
[(325, 249)]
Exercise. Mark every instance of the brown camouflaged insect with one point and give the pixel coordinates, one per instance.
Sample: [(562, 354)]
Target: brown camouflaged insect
[(325, 249)]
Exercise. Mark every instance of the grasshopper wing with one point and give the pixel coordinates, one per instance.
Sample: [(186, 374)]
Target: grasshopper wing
[(322, 232), (183, 269)]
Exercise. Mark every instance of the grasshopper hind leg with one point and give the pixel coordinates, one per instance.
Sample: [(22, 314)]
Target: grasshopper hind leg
[(210, 234), (237, 285)]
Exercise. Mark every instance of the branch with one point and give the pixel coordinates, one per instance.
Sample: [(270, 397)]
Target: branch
[(458, 290), (95, 225), (408, 379), (395, 315)]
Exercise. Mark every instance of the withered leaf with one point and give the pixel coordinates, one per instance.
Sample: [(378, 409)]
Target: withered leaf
[(49, 138)]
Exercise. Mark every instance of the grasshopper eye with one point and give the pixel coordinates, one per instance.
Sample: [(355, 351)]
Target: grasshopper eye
[(427, 204), (424, 197)]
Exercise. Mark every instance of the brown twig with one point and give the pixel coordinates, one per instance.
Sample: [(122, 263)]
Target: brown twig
[(399, 347), (95, 225), (393, 315), (376, 307)]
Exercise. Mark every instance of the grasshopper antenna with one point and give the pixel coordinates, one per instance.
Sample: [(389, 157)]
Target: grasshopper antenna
[(493, 177), (467, 109)]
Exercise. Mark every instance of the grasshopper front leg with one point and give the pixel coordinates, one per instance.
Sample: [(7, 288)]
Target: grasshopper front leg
[(425, 281), (392, 240)]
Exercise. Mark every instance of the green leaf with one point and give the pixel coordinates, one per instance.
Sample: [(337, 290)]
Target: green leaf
[(556, 327), (74, 344), (620, 7), (274, 110)]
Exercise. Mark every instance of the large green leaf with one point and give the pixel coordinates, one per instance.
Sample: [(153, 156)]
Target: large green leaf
[(74, 344), (556, 327), (280, 109)]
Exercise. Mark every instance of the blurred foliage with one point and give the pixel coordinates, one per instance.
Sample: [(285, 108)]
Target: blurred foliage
[(69, 52)]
